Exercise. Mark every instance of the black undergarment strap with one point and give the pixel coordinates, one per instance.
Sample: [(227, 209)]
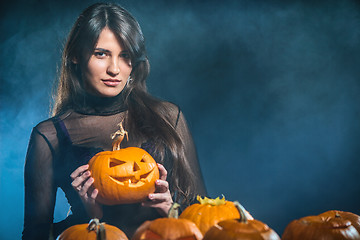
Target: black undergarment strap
[(61, 130)]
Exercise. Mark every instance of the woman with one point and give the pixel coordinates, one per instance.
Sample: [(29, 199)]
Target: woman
[(103, 83)]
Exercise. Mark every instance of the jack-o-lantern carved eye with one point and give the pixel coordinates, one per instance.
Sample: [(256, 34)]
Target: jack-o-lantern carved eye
[(115, 162)]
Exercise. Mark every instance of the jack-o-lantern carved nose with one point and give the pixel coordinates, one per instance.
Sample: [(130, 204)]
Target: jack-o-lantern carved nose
[(136, 167)]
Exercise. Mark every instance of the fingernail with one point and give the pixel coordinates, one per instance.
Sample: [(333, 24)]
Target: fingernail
[(151, 196), (157, 181)]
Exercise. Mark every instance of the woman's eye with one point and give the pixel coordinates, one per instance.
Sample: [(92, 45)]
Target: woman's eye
[(99, 54), (125, 55)]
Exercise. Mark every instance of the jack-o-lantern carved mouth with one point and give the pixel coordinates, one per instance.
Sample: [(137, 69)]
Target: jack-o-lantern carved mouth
[(131, 180), (134, 174)]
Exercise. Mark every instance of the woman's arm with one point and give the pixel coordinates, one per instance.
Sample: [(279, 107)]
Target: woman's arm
[(40, 189)]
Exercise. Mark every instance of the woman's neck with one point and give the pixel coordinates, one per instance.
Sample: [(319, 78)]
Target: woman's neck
[(90, 104)]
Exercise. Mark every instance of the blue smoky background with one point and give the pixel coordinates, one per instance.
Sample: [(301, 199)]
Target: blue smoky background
[(271, 91)]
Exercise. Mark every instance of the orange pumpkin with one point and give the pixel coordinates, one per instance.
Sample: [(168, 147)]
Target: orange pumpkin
[(208, 212), (240, 229), (171, 228), (92, 231), (123, 176), (330, 225)]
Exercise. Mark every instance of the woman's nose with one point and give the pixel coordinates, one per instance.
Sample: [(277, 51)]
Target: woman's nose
[(113, 68)]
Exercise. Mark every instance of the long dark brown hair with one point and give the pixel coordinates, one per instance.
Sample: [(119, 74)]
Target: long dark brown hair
[(146, 117)]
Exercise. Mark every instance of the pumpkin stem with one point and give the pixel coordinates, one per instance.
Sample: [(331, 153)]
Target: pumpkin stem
[(214, 202), (242, 211), (174, 212), (119, 136), (99, 228)]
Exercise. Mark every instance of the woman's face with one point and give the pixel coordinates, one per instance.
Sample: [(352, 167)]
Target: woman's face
[(109, 66)]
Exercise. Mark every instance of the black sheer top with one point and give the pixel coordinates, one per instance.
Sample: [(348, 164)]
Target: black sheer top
[(61, 144)]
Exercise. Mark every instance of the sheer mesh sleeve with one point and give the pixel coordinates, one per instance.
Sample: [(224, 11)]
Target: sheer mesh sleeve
[(191, 154), (40, 190)]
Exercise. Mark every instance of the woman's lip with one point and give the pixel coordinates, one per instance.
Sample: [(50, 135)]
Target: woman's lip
[(111, 82)]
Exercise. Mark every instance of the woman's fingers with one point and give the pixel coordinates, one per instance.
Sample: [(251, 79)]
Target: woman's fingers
[(162, 172), (79, 171), (85, 188), (83, 184), (161, 201), (94, 193), (161, 186), (160, 197), (158, 200), (79, 181), (161, 194)]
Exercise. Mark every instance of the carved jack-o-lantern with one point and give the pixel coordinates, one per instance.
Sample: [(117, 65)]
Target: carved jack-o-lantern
[(123, 176)]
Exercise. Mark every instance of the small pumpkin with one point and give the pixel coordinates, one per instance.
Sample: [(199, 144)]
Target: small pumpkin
[(330, 225), (240, 229), (92, 231), (208, 212), (123, 176), (170, 228)]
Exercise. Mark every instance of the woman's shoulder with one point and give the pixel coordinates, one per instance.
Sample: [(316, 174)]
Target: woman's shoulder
[(47, 128), (171, 111), (170, 107)]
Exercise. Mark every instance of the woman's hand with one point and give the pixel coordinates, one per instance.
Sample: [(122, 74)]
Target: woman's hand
[(82, 183), (161, 198)]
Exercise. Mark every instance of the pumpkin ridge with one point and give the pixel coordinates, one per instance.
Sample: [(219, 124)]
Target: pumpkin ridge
[(209, 211), (230, 208)]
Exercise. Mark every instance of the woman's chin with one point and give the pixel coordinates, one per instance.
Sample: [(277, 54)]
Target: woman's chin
[(108, 93)]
